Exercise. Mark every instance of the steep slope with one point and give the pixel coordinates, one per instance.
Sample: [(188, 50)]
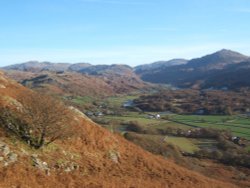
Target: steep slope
[(93, 158), (233, 76), (197, 71)]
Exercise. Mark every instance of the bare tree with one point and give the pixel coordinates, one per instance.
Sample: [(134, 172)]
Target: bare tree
[(41, 120)]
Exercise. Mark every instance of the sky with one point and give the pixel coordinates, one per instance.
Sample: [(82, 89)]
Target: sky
[(129, 32)]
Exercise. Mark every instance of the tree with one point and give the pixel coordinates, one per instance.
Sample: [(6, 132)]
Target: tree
[(41, 120)]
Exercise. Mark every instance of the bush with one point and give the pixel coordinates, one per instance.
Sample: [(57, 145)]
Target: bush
[(134, 126)]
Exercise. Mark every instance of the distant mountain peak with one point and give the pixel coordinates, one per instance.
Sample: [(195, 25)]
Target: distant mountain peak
[(226, 52), (217, 60), (222, 68)]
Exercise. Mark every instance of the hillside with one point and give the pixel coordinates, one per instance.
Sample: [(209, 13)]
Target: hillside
[(159, 65), (219, 70), (77, 84), (35, 66), (67, 83), (217, 60), (79, 79), (86, 68), (93, 158), (212, 70)]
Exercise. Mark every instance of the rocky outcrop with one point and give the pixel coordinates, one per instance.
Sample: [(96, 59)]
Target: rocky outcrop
[(6, 155)]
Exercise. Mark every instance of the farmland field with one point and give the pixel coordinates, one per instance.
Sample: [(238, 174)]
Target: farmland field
[(239, 126)]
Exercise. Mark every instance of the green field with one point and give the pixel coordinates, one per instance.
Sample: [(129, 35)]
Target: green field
[(239, 126), (185, 144), (117, 101), (83, 100), (141, 120)]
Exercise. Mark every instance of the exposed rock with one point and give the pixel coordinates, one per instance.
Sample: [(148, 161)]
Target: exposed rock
[(4, 150), (67, 166), (6, 155), (68, 169), (12, 157), (2, 86), (114, 156), (71, 167), (40, 164)]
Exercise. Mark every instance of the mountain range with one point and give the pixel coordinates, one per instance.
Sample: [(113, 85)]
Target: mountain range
[(222, 69)]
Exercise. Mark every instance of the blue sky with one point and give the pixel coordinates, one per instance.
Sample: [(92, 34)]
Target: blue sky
[(120, 31)]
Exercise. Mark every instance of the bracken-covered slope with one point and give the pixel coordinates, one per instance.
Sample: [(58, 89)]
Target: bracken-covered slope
[(76, 79), (77, 84), (93, 158)]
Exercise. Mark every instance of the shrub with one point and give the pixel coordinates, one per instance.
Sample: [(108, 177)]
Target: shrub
[(134, 126)]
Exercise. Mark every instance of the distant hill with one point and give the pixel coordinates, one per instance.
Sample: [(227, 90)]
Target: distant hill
[(217, 60), (35, 66), (78, 66), (214, 70), (67, 83), (76, 84), (77, 79), (233, 76), (108, 69), (158, 65)]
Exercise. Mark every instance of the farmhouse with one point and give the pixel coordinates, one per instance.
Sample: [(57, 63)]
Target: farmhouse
[(157, 116), (99, 114)]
